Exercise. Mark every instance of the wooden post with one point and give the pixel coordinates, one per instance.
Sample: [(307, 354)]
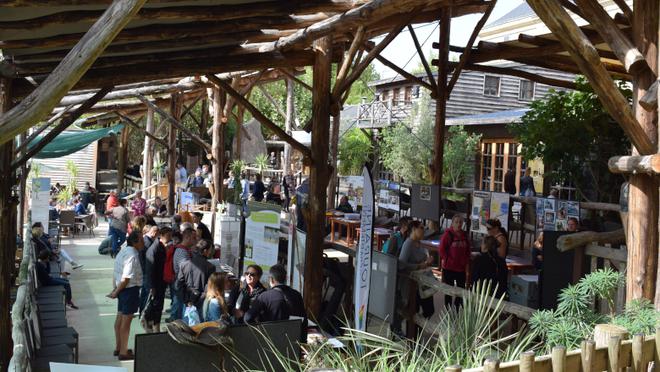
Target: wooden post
[(122, 158), (79, 59), (334, 153), (148, 158), (441, 98), (288, 123), (642, 239), (527, 361), (558, 359), (613, 353), (319, 173), (7, 232), (588, 354), (23, 185), (171, 155), (218, 151)]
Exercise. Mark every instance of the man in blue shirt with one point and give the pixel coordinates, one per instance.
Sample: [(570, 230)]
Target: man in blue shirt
[(79, 207)]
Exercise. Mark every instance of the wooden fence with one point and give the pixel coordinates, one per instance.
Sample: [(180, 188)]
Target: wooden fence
[(629, 355)]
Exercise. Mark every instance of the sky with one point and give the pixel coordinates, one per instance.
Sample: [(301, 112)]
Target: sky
[(402, 51)]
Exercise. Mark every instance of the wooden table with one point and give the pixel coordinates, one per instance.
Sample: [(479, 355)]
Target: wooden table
[(349, 225), (381, 235)]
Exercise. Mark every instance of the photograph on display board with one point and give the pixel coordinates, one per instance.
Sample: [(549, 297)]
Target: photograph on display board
[(565, 210), (540, 214), (499, 208), (262, 236), (480, 211), (387, 195), (352, 187), (425, 193)]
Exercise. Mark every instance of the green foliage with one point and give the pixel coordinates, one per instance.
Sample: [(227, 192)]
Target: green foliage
[(67, 192), (465, 336), (574, 320), (408, 152), (355, 149), (572, 133), (261, 163), (459, 154)]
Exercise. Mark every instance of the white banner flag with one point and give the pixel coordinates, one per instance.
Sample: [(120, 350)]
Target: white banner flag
[(363, 254)]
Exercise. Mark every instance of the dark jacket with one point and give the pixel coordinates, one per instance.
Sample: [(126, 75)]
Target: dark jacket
[(510, 183), (346, 208), (268, 306), (154, 265), (241, 298), (43, 272), (193, 276), (259, 190), (206, 233), (491, 267)]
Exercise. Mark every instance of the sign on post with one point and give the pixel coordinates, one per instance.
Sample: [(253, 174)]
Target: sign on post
[(363, 254)]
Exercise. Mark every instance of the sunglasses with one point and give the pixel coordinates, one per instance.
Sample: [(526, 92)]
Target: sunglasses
[(251, 274)]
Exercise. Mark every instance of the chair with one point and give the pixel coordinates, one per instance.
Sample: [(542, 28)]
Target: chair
[(86, 223), (67, 220)]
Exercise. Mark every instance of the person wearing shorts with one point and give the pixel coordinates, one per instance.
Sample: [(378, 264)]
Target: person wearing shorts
[(127, 280)]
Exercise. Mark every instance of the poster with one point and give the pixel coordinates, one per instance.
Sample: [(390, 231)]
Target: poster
[(480, 211), (500, 207), (388, 196), (425, 202), (262, 239), (296, 258), (227, 231), (352, 186), (546, 214), (363, 254), (40, 201), (187, 201)]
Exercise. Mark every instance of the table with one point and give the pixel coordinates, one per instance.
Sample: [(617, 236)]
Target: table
[(381, 235), (349, 225)]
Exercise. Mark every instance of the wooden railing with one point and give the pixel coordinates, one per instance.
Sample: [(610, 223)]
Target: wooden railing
[(632, 355), (19, 359)]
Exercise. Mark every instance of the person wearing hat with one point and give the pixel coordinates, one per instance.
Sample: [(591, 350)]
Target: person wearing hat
[(202, 230)]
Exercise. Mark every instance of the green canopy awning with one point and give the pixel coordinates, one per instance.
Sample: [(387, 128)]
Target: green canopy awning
[(69, 142)]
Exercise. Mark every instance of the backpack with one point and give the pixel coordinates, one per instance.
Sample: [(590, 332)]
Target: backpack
[(168, 270), (391, 246)]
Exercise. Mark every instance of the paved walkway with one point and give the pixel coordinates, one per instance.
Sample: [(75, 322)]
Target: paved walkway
[(94, 321)]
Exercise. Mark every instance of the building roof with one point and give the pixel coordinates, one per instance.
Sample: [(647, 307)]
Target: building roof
[(497, 117), (521, 11)]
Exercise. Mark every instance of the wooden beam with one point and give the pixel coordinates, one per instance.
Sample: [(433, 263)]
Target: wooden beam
[(586, 57), (650, 100), (519, 73), (625, 9), (168, 117), (402, 72), (218, 146), (148, 154), (258, 115), (133, 124), (175, 109), (441, 98), (319, 173), (360, 67), (647, 164), (60, 127), (582, 238), (347, 62), (42, 100), (421, 55), (465, 57), (37, 132), (294, 78), (625, 50), (573, 8)]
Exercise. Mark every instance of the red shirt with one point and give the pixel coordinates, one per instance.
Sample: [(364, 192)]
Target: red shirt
[(112, 202), (454, 250)]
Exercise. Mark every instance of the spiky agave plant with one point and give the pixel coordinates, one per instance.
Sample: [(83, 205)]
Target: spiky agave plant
[(261, 163)]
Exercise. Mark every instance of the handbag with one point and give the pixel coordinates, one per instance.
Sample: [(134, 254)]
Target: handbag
[(191, 316)]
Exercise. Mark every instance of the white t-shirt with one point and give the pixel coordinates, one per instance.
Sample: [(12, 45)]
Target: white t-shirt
[(127, 265)]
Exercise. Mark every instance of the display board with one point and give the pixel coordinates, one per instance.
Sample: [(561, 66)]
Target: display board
[(352, 187), (553, 214), (296, 257), (227, 231), (262, 239), (387, 195), (383, 285), (363, 254), (480, 211), (39, 201), (500, 208), (425, 202), (186, 201)]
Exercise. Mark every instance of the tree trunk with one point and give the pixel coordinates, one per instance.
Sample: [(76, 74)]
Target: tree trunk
[(218, 151), (318, 180), (148, 159), (334, 153), (171, 156), (7, 232), (122, 158)]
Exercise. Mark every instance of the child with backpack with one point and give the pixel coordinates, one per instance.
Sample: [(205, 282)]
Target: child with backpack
[(454, 257)]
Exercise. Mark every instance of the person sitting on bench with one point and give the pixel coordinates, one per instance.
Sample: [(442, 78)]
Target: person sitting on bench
[(43, 275)]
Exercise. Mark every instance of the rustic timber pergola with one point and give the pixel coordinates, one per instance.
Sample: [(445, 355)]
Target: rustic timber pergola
[(129, 58)]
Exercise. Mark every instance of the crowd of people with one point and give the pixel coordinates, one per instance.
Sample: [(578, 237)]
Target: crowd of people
[(157, 259)]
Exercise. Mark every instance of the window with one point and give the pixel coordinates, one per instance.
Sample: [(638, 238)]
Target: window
[(486, 162), (491, 86), (497, 157), (526, 91), (383, 95), (395, 97), (407, 93), (415, 91)]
